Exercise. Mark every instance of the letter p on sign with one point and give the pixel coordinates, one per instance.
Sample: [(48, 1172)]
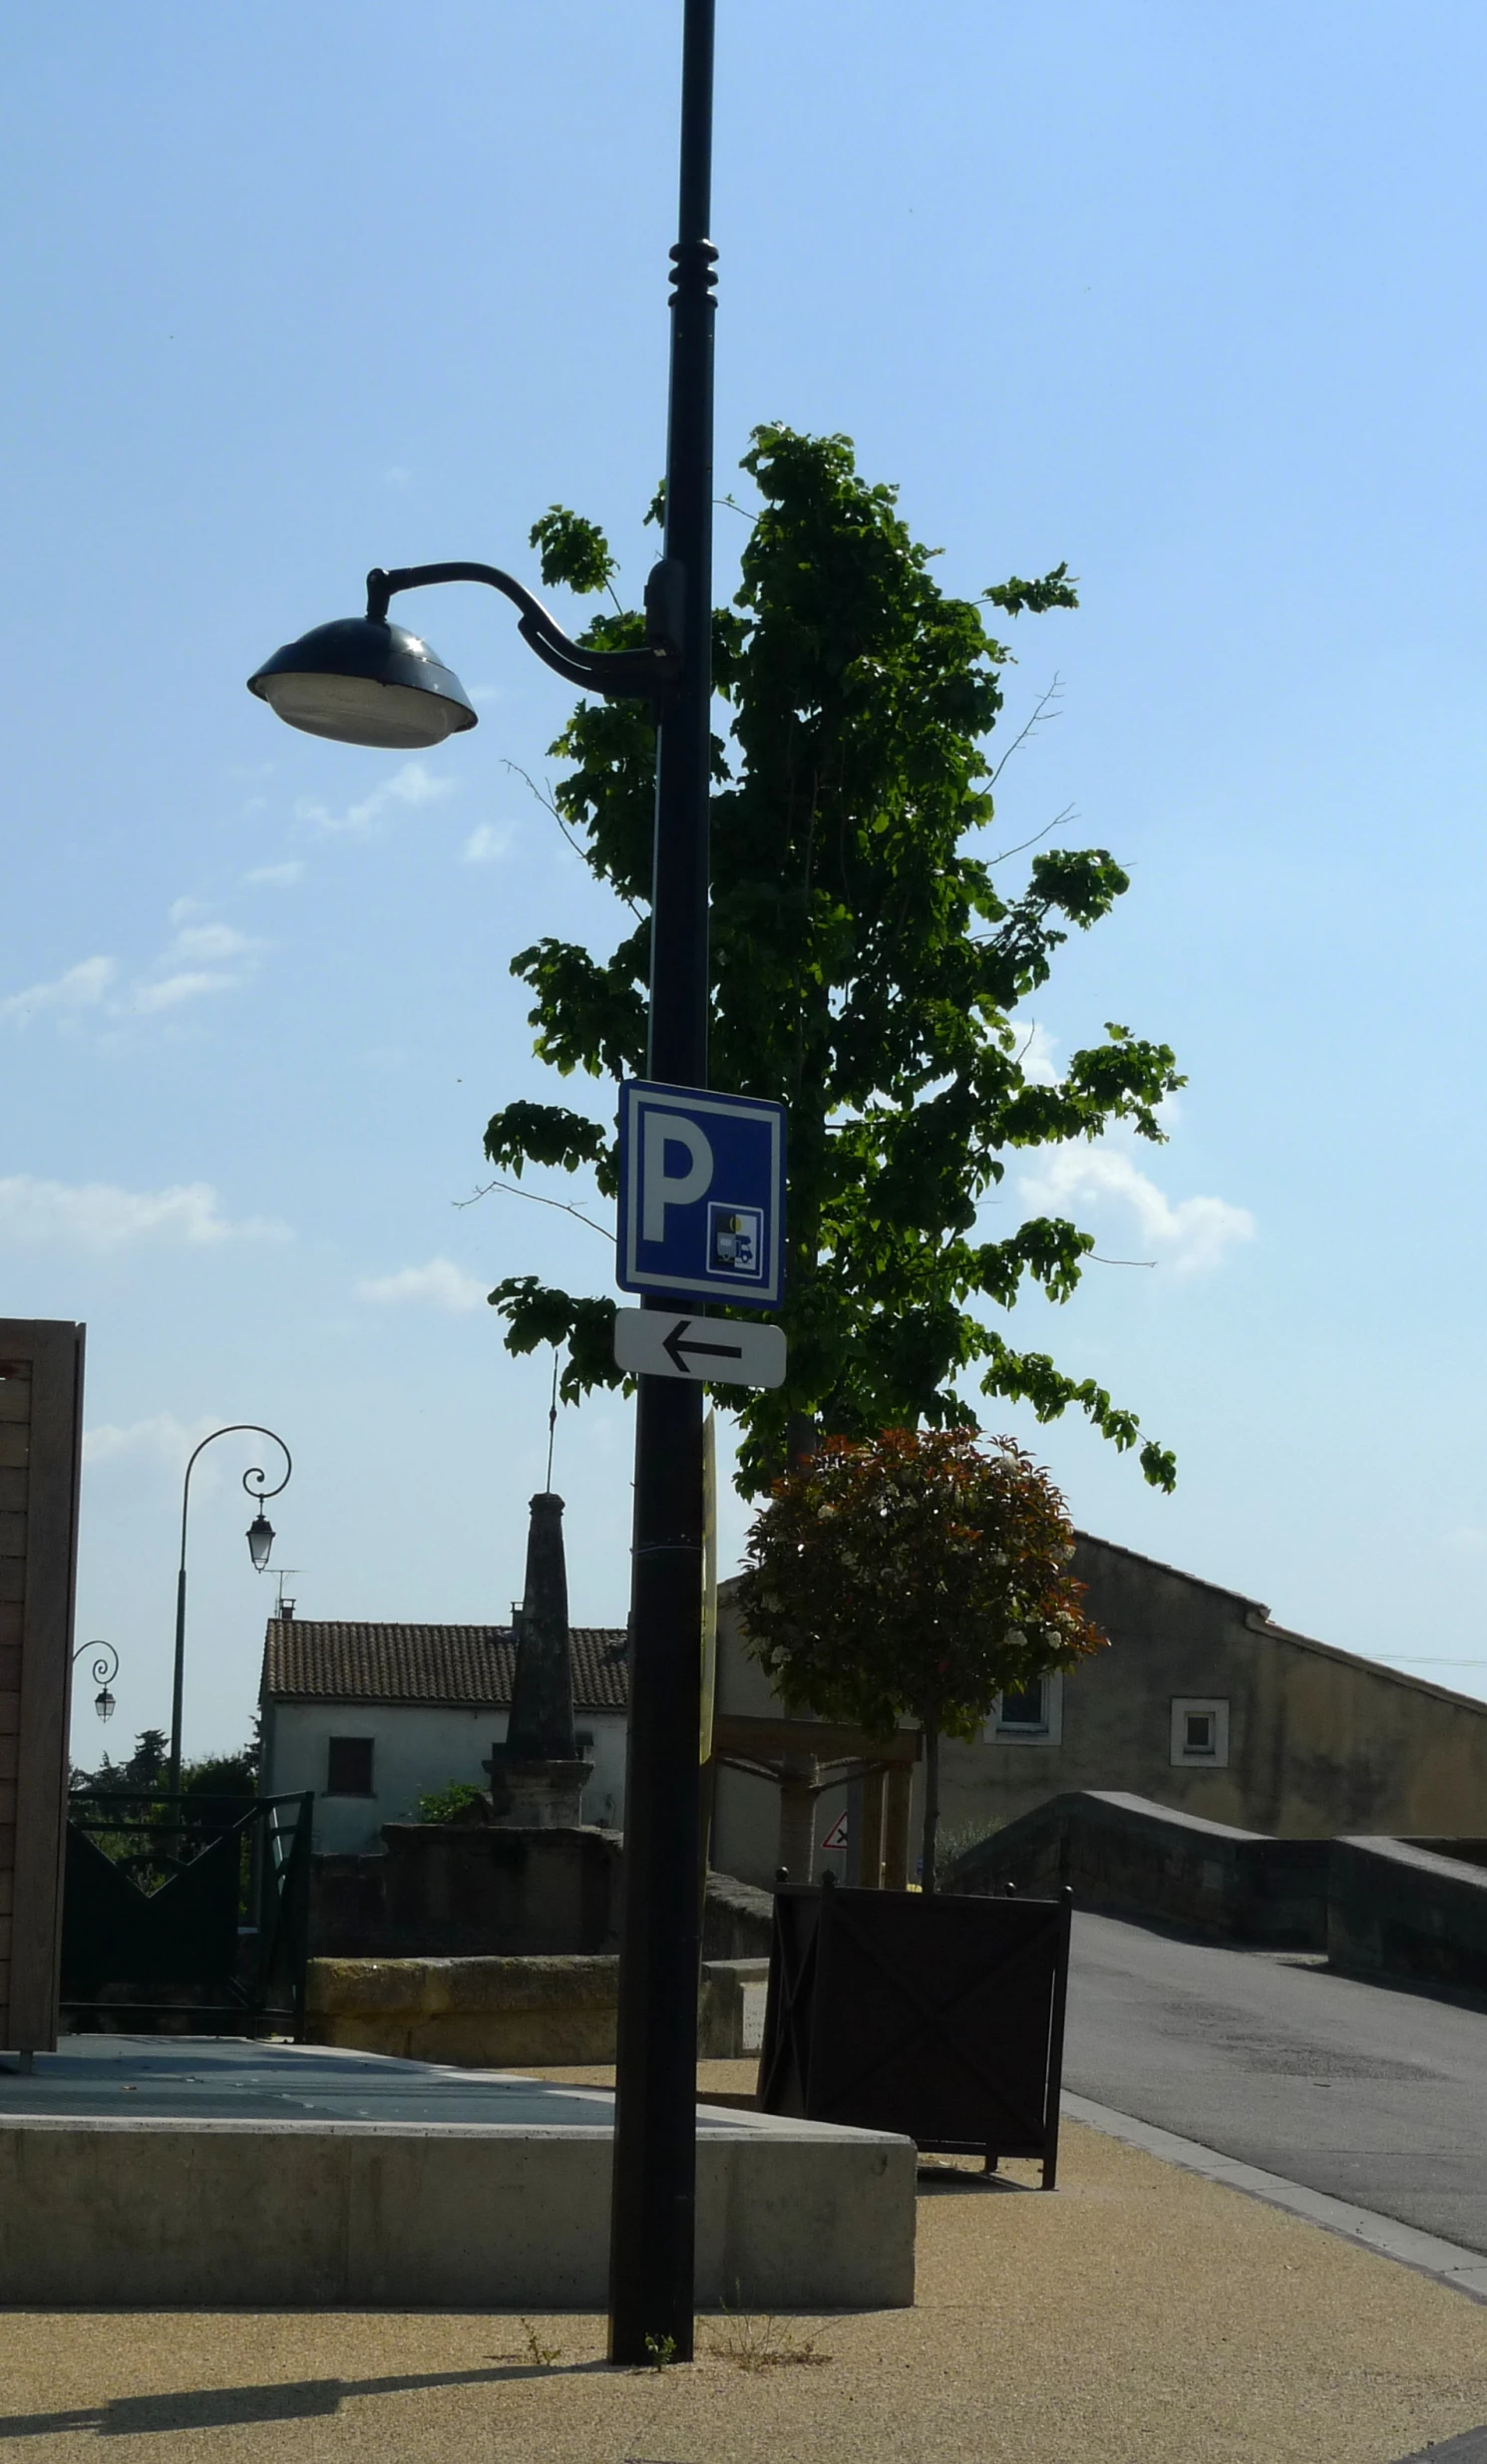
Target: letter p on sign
[(664, 1133), (701, 1196)]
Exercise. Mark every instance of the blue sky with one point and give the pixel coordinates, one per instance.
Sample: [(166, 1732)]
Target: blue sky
[(1192, 298)]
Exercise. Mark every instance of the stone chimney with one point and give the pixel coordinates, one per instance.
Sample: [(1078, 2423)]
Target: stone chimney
[(536, 1777)]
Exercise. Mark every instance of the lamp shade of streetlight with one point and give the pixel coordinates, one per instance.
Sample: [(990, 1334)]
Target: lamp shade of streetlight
[(259, 1541), (103, 1703), (360, 682)]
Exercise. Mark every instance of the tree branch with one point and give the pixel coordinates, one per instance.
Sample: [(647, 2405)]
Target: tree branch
[(511, 1190), (1039, 718), (577, 844), (1068, 813)]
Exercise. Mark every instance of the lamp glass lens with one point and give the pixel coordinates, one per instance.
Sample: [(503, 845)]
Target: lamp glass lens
[(259, 1541), (358, 710)]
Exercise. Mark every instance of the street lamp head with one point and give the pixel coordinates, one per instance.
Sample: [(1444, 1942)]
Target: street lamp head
[(103, 1703), (259, 1541), (364, 681)]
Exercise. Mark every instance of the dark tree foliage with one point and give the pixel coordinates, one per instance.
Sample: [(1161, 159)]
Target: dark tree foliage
[(867, 967), (146, 1767), (915, 1576), (216, 1775)]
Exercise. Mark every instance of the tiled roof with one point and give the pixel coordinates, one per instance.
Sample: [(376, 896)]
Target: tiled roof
[(313, 1659)]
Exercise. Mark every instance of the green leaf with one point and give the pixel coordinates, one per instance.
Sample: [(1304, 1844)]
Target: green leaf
[(542, 1134), (1054, 590), (572, 551)]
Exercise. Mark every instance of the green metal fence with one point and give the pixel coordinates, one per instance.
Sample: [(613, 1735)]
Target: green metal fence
[(186, 1909)]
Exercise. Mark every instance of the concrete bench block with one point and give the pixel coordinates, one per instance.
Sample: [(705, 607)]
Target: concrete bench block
[(207, 2214)]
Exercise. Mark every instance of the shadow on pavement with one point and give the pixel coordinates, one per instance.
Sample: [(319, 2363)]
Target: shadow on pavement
[(940, 2178), (219, 2408)]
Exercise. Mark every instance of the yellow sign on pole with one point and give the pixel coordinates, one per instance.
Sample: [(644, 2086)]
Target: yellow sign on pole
[(709, 1581)]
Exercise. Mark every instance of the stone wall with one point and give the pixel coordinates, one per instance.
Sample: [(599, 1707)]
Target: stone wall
[(1125, 1856), (510, 2013), (1396, 1909), (466, 1890), (458, 1890), (1412, 1910)]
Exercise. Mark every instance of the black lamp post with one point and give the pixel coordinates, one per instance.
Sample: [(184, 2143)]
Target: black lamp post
[(365, 681), (259, 1541), (102, 1673)]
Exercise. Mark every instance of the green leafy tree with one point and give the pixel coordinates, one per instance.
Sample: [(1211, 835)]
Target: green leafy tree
[(866, 966), (914, 1576)]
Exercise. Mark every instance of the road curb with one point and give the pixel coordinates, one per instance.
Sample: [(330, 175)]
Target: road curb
[(1464, 2270)]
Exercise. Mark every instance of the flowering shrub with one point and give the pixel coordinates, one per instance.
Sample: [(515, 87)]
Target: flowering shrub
[(916, 1576)]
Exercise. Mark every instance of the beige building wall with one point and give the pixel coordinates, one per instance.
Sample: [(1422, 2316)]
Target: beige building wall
[(745, 1810), (1294, 1737)]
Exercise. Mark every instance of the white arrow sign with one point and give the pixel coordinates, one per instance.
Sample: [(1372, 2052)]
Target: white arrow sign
[(656, 1344)]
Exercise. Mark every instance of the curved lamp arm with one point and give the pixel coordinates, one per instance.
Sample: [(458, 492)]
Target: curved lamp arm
[(637, 673), (106, 1667), (253, 1480)]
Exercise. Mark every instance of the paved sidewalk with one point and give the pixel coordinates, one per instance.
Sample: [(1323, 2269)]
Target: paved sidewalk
[(1139, 2315)]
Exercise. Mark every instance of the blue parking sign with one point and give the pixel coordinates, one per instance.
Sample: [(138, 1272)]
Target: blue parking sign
[(701, 1195)]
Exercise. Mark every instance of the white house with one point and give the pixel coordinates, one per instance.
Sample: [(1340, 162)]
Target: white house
[(372, 1717)]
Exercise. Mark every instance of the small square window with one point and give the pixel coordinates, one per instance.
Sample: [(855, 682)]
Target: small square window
[(348, 1767), (1199, 1730), (1024, 1707), (1030, 1714)]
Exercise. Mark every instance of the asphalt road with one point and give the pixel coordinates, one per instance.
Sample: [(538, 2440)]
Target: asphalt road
[(1367, 2094)]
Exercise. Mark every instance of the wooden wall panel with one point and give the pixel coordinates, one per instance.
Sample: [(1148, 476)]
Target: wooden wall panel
[(41, 1393)]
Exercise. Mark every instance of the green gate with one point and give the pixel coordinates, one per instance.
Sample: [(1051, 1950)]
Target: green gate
[(179, 1908)]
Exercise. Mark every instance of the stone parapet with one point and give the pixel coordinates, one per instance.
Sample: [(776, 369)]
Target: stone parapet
[(1126, 1855), (1396, 1909), (508, 2014)]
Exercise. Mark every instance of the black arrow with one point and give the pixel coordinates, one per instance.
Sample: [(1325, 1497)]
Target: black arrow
[(674, 1348)]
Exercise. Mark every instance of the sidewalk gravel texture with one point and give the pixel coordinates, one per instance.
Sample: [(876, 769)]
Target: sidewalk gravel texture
[(1136, 2315)]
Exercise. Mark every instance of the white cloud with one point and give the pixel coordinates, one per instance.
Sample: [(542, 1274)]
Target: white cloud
[(95, 1215), (442, 1284), (210, 941), (486, 845), (412, 785), (192, 965), (276, 876), (82, 987), (171, 990), (182, 911), (1192, 1236)]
